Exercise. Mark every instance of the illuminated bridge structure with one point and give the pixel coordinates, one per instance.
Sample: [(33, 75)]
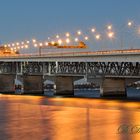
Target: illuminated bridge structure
[(112, 70)]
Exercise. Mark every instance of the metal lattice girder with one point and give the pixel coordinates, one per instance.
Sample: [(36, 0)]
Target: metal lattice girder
[(72, 68)]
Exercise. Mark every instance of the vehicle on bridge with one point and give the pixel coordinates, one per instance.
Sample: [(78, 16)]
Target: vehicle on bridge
[(81, 45), (4, 50)]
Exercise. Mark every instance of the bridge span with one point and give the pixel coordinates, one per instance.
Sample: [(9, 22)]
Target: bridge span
[(112, 70)]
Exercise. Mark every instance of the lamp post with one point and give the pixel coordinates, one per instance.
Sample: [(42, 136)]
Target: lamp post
[(123, 32), (40, 50)]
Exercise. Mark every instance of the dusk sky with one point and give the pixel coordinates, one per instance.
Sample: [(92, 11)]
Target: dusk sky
[(26, 19)]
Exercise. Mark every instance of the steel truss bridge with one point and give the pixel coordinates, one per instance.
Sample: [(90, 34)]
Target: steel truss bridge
[(114, 67)]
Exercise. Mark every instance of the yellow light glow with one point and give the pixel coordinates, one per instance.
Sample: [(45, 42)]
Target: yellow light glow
[(68, 40), (5, 46), (34, 40), (59, 41), (35, 45), (109, 27), (27, 42), (67, 34), (98, 36), (26, 46), (40, 44), (76, 39), (93, 30), (111, 34), (22, 47), (17, 43), (13, 44), (46, 43), (86, 38), (129, 23), (79, 32), (52, 42), (57, 36)]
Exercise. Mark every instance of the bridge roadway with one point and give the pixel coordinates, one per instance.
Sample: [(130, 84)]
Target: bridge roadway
[(113, 70), (97, 56)]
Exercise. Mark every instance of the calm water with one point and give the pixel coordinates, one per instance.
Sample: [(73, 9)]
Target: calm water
[(47, 118)]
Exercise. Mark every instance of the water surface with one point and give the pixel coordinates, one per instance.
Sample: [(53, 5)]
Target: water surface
[(47, 118)]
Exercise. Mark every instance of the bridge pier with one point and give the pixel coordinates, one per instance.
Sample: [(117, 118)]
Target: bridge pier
[(33, 84), (7, 83), (64, 86), (113, 87)]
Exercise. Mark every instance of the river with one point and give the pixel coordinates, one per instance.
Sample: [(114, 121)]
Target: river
[(26, 117)]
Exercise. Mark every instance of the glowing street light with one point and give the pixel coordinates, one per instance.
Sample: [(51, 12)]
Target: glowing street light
[(17, 43), (59, 41), (13, 44), (35, 45), (67, 40), (26, 46), (86, 38), (52, 42), (5, 46), (98, 36), (93, 30), (76, 39), (57, 36), (79, 32), (34, 40), (129, 23), (67, 34), (27, 42), (46, 43), (109, 27), (40, 44), (110, 34)]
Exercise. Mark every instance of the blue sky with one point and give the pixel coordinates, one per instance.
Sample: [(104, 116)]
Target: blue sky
[(23, 19)]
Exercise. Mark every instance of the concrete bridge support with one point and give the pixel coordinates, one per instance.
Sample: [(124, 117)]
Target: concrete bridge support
[(7, 83), (64, 86), (33, 84), (113, 87)]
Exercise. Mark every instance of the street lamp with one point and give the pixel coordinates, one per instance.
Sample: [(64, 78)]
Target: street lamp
[(97, 36), (79, 32), (110, 35), (124, 30), (93, 30)]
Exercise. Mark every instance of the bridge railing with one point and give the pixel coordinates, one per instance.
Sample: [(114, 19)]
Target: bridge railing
[(52, 54)]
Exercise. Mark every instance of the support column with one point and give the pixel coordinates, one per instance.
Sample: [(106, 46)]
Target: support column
[(113, 87), (7, 83), (33, 84), (64, 86)]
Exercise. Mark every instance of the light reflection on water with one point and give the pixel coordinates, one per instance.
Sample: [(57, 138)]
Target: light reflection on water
[(43, 118)]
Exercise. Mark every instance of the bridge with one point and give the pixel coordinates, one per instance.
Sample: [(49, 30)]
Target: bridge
[(113, 70)]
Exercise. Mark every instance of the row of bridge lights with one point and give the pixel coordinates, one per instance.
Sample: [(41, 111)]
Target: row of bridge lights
[(68, 38)]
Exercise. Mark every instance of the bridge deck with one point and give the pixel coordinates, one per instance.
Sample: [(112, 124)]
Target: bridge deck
[(99, 56)]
